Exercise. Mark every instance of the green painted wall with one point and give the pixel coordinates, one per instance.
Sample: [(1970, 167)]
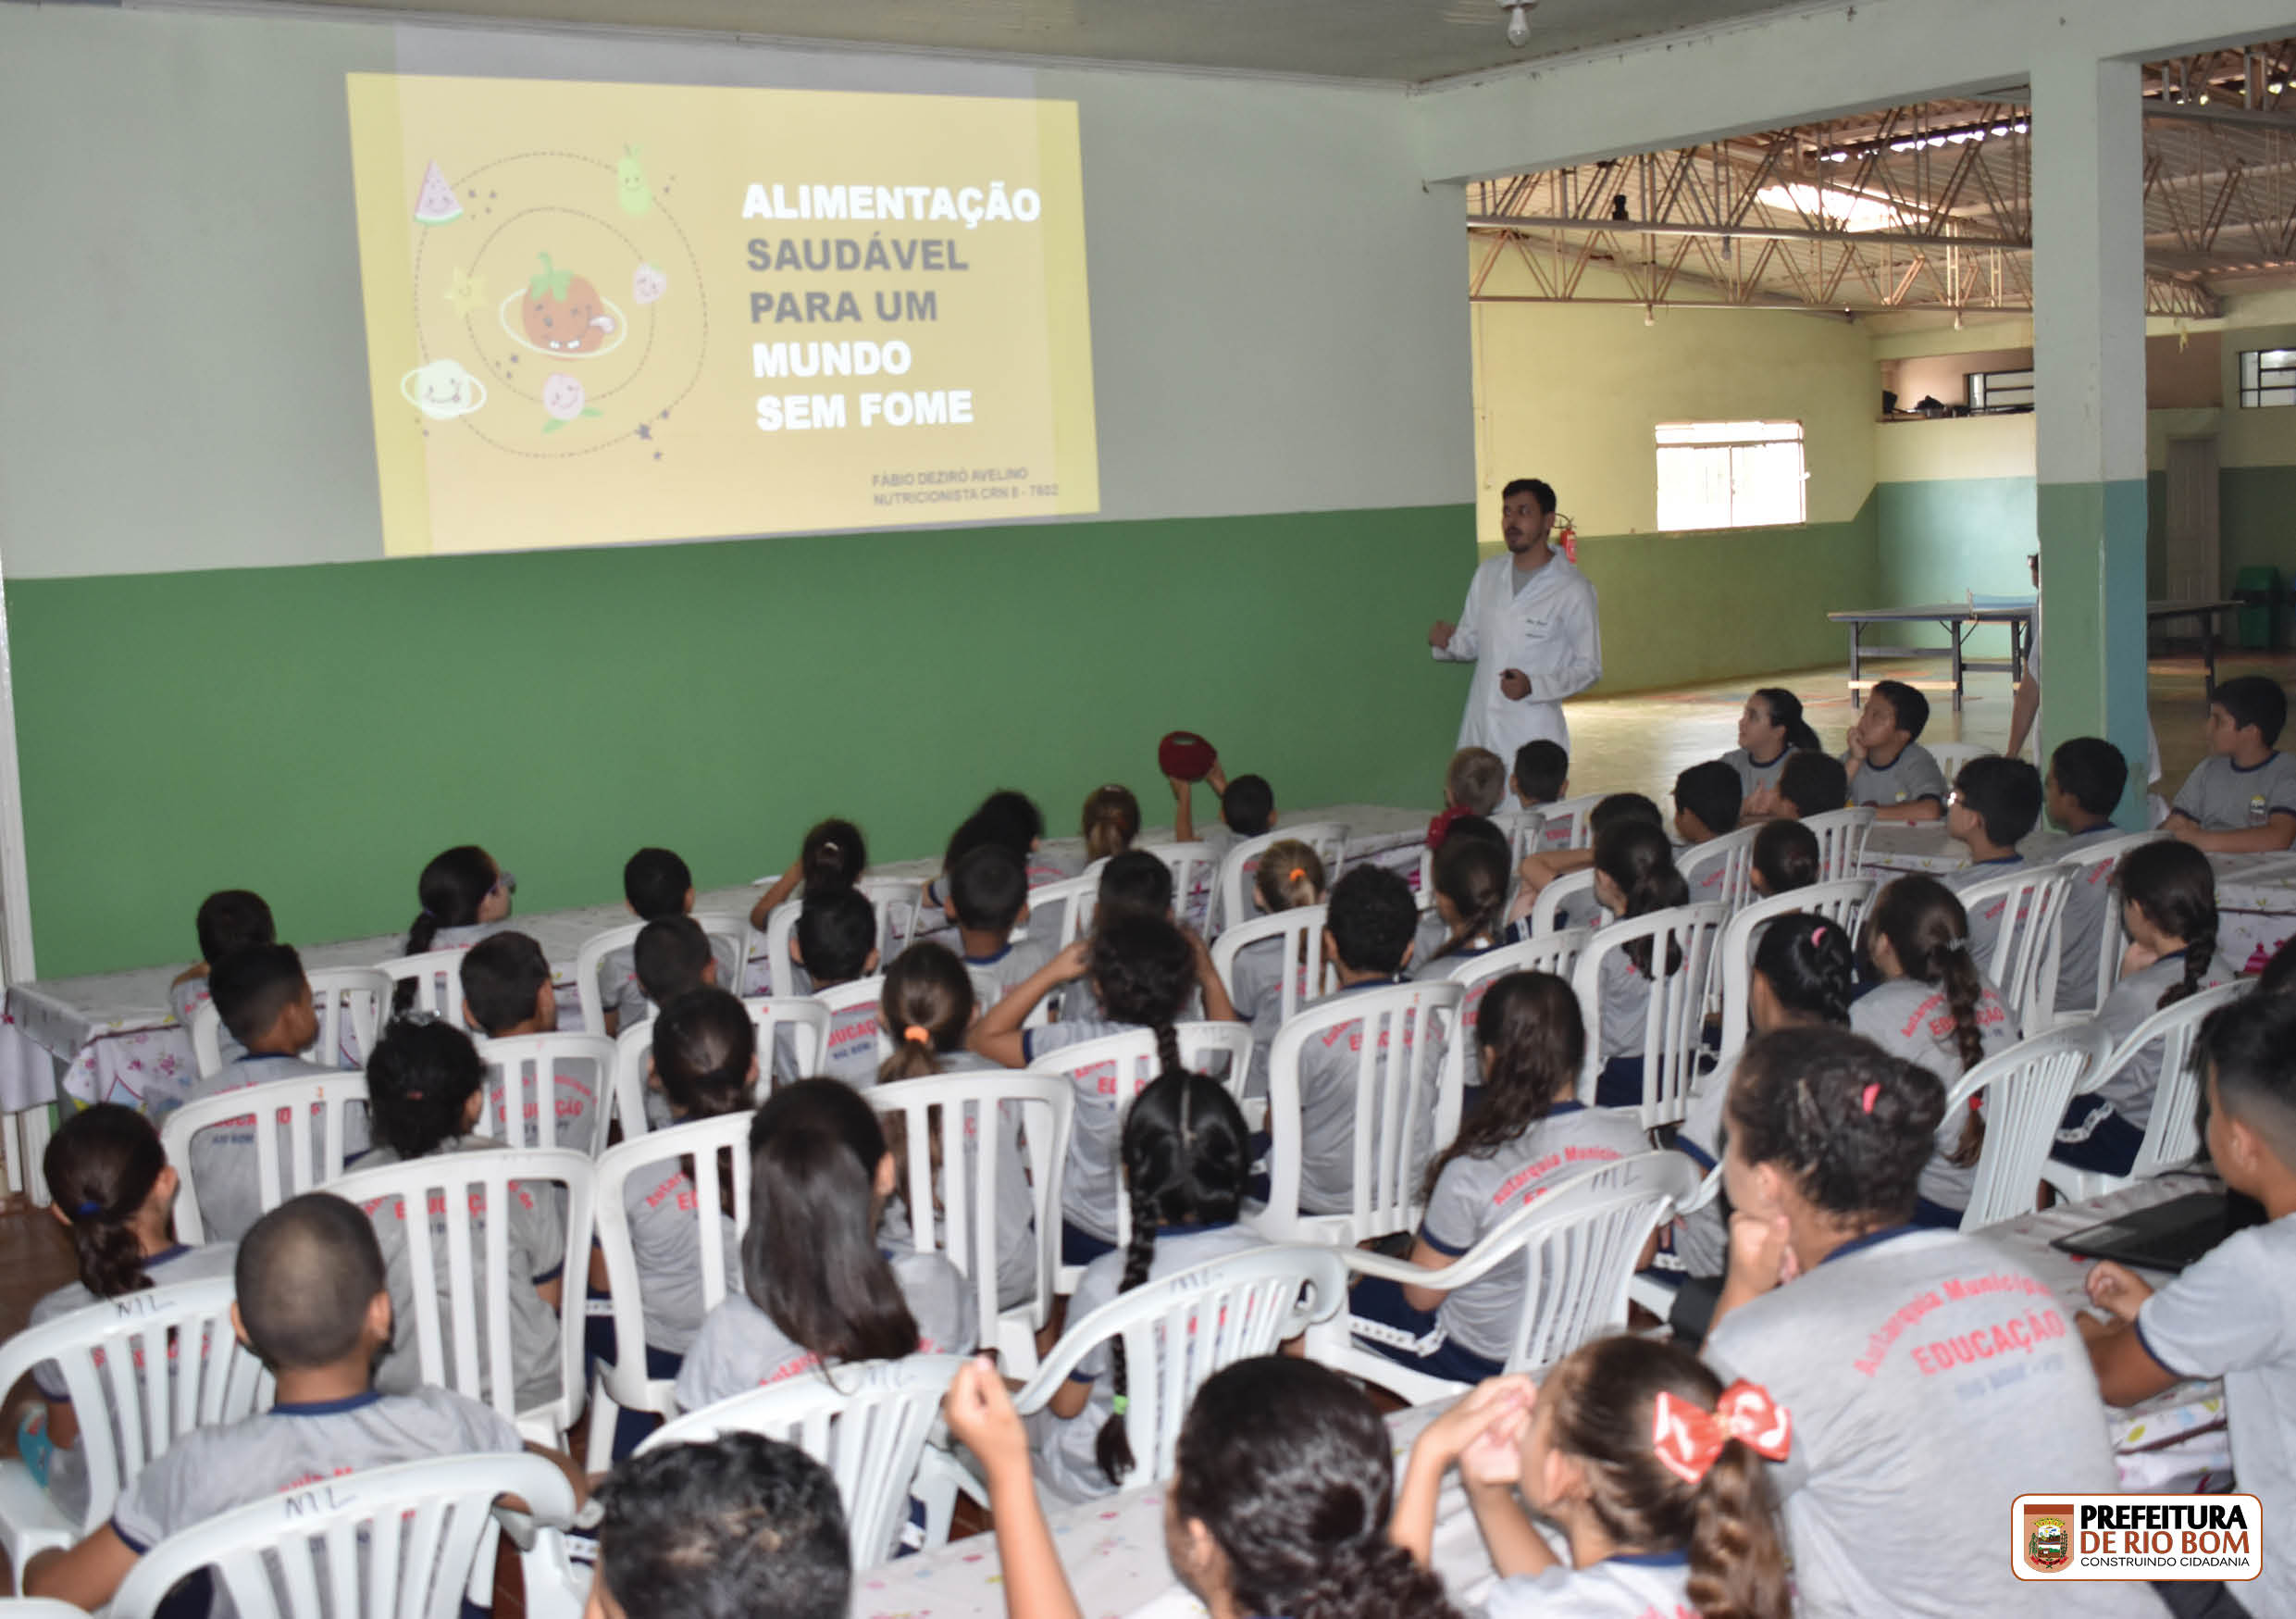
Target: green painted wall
[(1938, 540), (318, 733), (2257, 521)]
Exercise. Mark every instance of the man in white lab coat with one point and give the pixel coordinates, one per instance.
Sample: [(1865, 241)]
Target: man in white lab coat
[(1530, 626)]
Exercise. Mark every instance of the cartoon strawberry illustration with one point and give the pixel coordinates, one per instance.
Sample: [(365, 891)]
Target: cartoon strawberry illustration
[(562, 312), (566, 400), (648, 284)]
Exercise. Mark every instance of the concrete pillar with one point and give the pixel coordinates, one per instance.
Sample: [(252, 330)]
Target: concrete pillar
[(2089, 399)]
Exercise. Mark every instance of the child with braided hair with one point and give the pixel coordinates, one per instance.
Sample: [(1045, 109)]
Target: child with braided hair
[(2169, 906), (1186, 1155), (1472, 870)]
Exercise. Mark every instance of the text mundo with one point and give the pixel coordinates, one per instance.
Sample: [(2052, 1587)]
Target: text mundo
[(813, 412)]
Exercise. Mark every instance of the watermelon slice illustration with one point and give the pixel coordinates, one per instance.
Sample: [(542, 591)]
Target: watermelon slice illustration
[(436, 205)]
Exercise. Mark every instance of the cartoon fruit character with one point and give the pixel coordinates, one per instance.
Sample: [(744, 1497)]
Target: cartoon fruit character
[(648, 283), (563, 397), (466, 291), (434, 204), (442, 390), (629, 183), (562, 312)]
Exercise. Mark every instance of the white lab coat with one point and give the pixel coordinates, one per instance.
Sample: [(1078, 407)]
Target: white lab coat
[(1552, 632)]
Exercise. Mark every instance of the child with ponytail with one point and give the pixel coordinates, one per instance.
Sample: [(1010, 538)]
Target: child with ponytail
[(1290, 876), (1657, 1474), (2169, 907), (1282, 1481), (1771, 727), (1635, 875), (1933, 1008), (465, 897), (1186, 1155), (110, 1185), (1472, 869), (1111, 820)]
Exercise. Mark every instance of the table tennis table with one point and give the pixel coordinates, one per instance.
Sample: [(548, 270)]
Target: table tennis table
[(1959, 619)]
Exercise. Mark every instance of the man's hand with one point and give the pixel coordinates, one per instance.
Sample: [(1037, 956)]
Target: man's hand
[(1514, 685), (1440, 636)]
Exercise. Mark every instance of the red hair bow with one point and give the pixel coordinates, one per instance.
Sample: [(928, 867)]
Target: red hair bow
[(1688, 1440)]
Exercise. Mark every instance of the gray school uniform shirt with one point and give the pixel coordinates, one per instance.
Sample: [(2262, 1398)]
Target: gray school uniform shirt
[(1909, 778), (2133, 1000), (67, 1467), (1256, 990), (1702, 1239), (1931, 1379), (186, 998), (1016, 1206), (223, 1156), (2230, 1316), (1985, 920), (1911, 1021), (1065, 1449), (1089, 1185), (536, 1248), (1475, 1196), (620, 993), (2084, 913), (463, 938), (1647, 1586), (1327, 1107), (1755, 774), (995, 974), (576, 1091), (2224, 798), (854, 1052), (1625, 1003), (662, 1207)]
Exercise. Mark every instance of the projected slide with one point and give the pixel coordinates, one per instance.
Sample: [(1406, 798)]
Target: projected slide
[(599, 313)]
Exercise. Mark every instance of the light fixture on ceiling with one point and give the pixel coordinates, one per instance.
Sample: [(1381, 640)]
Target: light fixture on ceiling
[(1518, 21), (2275, 83)]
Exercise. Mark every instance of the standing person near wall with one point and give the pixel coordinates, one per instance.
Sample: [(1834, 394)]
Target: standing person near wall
[(1530, 628)]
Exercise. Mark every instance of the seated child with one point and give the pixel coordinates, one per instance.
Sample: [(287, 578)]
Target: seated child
[(1527, 1131), (1111, 821), (1771, 728), (266, 1002), (837, 944), (655, 885), (1786, 856), (1706, 807), (464, 896), (1475, 784), (1186, 1157), (1887, 765), (2087, 777), (1933, 1008), (1996, 802), (2169, 907), (1828, 1138), (832, 856), (227, 920), (1290, 875), (426, 1091), (1135, 883), (2241, 799), (1278, 1502), (1653, 1470), (2208, 1322), (1635, 875), (742, 1525), (1246, 811), (1541, 776), (110, 1185), (987, 898), (1811, 784), (1468, 916), (313, 1306), (672, 958), (1544, 867), (1009, 820), (507, 993)]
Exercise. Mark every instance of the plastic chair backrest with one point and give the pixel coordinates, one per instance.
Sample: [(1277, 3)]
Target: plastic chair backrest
[(960, 1112), (2113, 938), (398, 1541), (2172, 1136), (2028, 939), (897, 901), (1525, 830), (843, 998), (534, 1066), (1841, 836), (2027, 1088), (732, 930), (1179, 1329), (1549, 953), (1732, 884), (1843, 903), (143, 1370), (1077, 897), (1674, 1020), (1301, 929), (1231, 901), (807, 1018), (1575, 888), (39, 1608), (1580, 1243), (437, 976), (289, 1161), (866, 1423), (1398, 1079), (461, 1298), (720, 1150), (631, 1048), (1195, 872), (1952, 756), (351, 1003)]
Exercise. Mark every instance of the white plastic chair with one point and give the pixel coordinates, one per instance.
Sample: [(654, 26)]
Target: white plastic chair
[(1567, 821), (866, 1423), (1231, 901), (2027, 940), (897, 901), (1060, 911), (1193, 867), (437, 976), (142, 1371), (1841, 836), (1399, 1078), (1525, 828), (345, 998), (39, 1608), (1578, 1241), (2113, 938), (327, 1098), (731, 930), (965, 1113), (2027, 1088), (631, 1048), (1952, 756), (1734, 853), (1180, 1329), (1575, 888), (477, 1275), (529, 1065), (719, 1147), (1550, 952), (2172, 1135), (843, 998), (1842, 902), (1300, 930), (1673, 1021), (807, 1018), (401, 1542)]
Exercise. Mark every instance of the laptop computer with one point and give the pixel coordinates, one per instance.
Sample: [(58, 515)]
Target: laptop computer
[(2167, 1237)]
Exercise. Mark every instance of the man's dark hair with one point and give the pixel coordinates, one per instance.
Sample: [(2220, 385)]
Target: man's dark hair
[(2092, 772), (988, 889), (1248, 805), (1712, 793), (834, 933), (1541, 769), (2003, 793), (655, 882), (1372, 917), (2250, 1046), (306, 1273), (253, 985), (231, 920), (669, 957), (1906, 702), (740, 1527), (1538, 489), (2253, 699), (1814, 783), (503, 974)]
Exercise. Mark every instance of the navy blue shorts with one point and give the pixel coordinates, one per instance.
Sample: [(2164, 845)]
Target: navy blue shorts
[(1377, 1299)]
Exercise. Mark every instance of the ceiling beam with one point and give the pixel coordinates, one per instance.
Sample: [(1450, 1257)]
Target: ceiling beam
[(1747, 232)]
